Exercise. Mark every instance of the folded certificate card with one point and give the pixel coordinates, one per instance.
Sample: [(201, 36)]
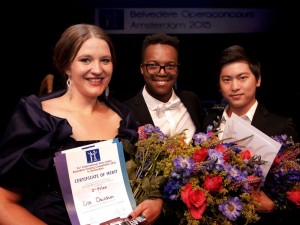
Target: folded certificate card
[(258, 144), (94, 182)]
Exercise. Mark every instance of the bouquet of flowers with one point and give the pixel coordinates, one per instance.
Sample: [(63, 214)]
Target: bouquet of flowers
[(206, 181), (283, 180), (146, 182)]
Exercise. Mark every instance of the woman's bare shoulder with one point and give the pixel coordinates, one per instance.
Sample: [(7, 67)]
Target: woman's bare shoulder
[(55, 106)]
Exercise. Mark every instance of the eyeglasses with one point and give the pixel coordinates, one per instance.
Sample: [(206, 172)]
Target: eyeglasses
[(153, 68)]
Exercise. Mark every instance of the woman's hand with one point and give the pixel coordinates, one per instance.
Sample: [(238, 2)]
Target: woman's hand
[(150, 208)]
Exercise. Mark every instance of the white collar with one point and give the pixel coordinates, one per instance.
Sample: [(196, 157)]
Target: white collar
[(249, 115), (153, 103)]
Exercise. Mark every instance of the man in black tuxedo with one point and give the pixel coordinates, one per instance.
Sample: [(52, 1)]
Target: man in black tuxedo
[(158, 102), (239, 76)]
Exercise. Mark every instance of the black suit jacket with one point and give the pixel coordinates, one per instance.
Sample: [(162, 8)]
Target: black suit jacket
[(267, 122), (191, 101), (141, 114)]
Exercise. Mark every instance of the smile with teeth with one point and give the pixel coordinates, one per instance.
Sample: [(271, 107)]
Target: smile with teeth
[(95, 79), (161, 81)]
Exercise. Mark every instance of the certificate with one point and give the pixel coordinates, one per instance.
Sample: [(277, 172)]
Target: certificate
[(94, 182)]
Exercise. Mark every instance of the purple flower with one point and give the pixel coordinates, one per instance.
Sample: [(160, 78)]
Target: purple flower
[(209, 128), (285, 142), (216, 155), (200, 137), (181, 163), (234, 172), (231, 208), (149, 128)]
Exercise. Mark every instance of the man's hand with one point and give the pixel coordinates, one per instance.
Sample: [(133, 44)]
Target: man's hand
[(266, 204)]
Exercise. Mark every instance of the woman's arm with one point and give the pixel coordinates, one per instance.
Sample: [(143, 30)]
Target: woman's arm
[(12, 213)]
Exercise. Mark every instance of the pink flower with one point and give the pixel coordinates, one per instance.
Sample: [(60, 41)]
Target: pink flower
[(213, 183), (141, 132), (294, 196), (195, 201), (254, 180)]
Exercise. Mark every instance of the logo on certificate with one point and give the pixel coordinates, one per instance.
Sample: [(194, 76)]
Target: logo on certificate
[(92, 156)]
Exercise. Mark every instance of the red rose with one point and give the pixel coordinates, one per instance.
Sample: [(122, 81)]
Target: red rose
[(220, 148), (213, 183), (195, 201), (276, 161), (226, 157), (294, 196), (246, 154), (200, 155)]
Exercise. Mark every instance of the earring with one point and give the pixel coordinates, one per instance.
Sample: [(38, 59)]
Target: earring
[(69, 88), (106, 92)]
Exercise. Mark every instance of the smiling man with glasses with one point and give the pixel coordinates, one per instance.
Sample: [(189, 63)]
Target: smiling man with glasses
[(158, 102)]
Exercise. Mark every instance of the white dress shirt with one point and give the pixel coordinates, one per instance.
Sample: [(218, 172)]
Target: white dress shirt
[(171, 117), (247, 117)]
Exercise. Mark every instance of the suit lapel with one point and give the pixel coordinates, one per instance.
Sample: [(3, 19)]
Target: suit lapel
[(141, 108), (190, 108), (260, 119)]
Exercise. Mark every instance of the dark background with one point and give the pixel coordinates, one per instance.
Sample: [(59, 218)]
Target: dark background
[(30, 30)]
